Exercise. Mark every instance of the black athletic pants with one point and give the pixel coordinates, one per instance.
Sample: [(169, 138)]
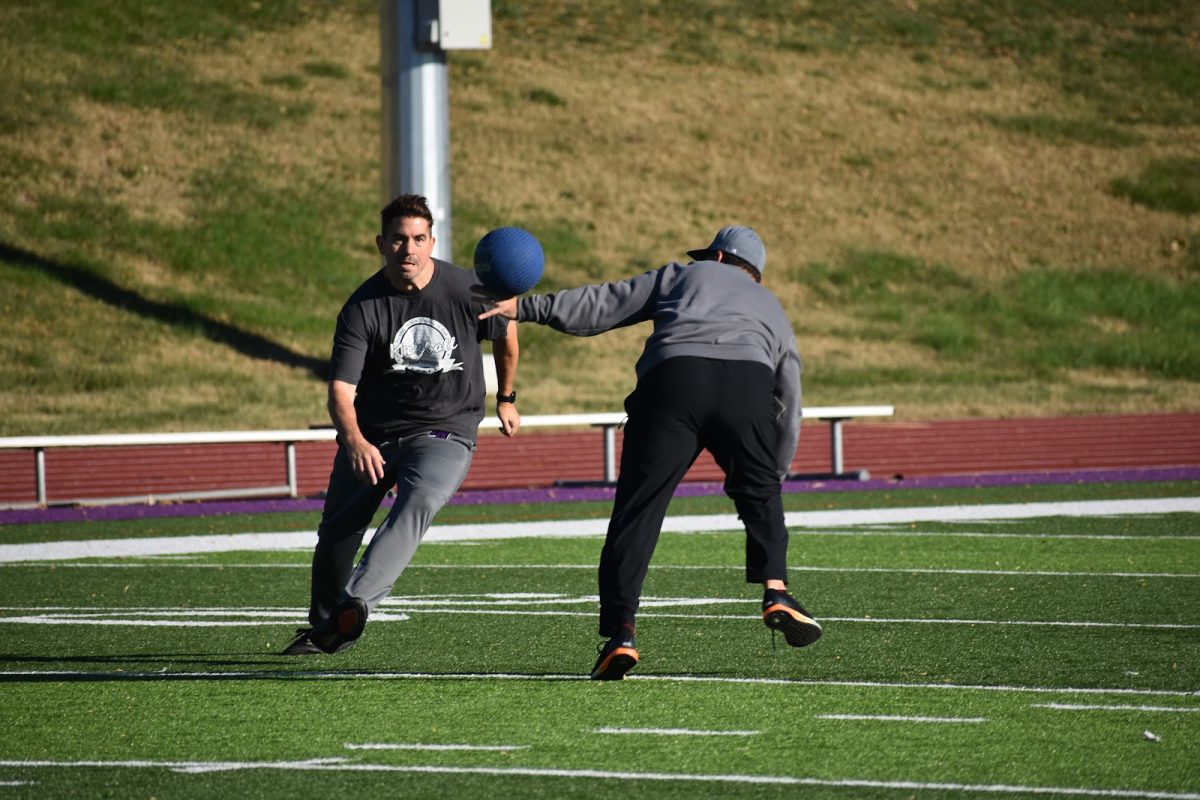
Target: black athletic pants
[(680, 407)]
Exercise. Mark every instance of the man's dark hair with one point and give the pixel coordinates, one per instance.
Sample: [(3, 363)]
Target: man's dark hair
[(406, 205), (738, 261)]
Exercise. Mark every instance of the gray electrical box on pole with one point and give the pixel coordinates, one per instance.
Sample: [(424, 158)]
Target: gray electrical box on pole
[(414, 38)]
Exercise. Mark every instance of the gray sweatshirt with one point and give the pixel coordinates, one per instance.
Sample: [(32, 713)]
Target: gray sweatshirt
[(704, 309)]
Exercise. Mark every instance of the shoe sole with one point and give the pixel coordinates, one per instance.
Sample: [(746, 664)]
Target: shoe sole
[(799, 630), (347, 627), (614, 667)]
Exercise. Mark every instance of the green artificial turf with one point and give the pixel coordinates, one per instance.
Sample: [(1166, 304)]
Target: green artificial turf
[(1051, 656)]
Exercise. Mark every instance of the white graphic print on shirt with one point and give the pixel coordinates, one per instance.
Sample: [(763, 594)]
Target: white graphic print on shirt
[(424, 345)]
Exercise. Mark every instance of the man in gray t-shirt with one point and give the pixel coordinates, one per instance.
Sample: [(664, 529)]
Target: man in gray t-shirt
[(406, 395), (719, 372)]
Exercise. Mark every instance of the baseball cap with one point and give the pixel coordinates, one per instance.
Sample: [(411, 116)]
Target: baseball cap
[(739, 241)]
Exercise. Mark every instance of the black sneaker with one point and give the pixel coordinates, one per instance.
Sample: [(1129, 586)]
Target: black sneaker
[(301, 645), (341, 630), (782, 613), (617, 656)]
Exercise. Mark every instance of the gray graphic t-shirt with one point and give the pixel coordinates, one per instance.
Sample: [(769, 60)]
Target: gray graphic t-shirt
[(415, 356)]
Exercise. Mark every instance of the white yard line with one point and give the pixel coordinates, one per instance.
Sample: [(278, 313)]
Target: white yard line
[(173, 545), (414, 609), (1022, 622), (554, 678), (999, 572), (171, 617), (671, 732), (151, 565), (895, 718), (344, 765), (681, 567), (1069, 690), (398, 609), (436, 747), (1085, 508), (187, 767), (1081, 707), (868, 531), (146, 623)]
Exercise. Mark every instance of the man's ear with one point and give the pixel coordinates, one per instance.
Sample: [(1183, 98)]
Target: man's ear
[(379, 244), (720, 255)]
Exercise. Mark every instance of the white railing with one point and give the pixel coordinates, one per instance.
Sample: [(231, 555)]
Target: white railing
[(835, 416), (607, 422)]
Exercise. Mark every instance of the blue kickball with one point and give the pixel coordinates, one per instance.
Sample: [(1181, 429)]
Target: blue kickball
[(509, 261)]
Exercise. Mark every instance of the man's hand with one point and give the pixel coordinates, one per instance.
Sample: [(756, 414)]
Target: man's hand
[(506, 308), (510, 418), (366, 461), (365, 458)]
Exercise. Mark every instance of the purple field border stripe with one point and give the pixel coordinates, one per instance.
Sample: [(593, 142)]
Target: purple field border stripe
[(583, 493)]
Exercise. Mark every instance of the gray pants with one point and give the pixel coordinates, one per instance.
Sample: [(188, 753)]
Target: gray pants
[(426, 472)]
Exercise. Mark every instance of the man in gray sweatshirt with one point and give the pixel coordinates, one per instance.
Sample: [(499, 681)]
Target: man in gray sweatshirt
[(719, 372)]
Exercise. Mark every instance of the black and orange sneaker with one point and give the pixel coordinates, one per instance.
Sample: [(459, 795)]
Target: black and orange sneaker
[(301, 645), (342, 628), (617, 656), (782, 613)]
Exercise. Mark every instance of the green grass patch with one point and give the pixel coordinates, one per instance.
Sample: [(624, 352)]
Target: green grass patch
[(289, 81), (1068, 131), (1061, 319), (546, 97), (254, 239), (1171, 184), (326, 69), (1130, 65), (249, 241), (148, 86), (870, 275), (109, 53), (1109, 320)]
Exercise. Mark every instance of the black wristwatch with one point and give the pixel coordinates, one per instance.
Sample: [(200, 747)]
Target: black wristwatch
[(506, 398)]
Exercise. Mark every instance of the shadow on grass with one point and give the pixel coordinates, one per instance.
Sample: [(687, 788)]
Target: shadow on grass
[(104, 290), (307, 669), (161, 659)]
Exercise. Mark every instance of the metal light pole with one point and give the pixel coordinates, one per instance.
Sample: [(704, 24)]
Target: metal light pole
[(414, 38)]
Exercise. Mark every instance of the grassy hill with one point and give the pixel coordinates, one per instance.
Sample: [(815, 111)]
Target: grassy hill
[(970, 208)]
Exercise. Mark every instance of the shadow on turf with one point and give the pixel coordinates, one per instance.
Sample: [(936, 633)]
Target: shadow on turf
[(167, 661), (205, 659), (264, 675)]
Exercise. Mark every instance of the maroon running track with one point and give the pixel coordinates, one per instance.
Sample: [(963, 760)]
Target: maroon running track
[(892, 449)]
